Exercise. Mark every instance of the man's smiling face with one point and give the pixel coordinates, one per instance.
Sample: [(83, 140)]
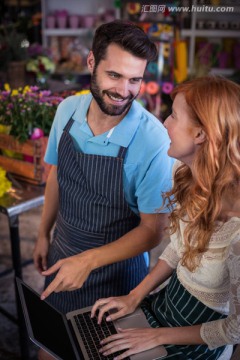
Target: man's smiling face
[(116, 81)]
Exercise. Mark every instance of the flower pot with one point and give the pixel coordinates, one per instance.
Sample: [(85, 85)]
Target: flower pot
[(88, 21), (73, 21), (51, 22), (62, 22), (34, 173), (16, 74)]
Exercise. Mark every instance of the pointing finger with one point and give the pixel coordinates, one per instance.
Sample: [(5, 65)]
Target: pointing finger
[(53, 286)]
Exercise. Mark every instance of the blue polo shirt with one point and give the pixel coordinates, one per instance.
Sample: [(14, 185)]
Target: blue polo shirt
[(147, 167)]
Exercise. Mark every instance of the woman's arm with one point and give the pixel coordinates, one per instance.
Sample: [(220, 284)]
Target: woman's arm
[(214, 333), (127, 304), (137, 340), (227, 331)]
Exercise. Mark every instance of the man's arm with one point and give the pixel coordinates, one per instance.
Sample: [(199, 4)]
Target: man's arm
[(49, 214), (73, 271)]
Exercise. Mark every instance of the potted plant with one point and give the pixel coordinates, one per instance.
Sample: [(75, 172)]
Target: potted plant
[(13, 54), (24, 110), (26, 116), (40, 64)]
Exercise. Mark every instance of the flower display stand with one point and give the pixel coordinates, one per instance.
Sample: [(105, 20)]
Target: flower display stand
[(35, 172)]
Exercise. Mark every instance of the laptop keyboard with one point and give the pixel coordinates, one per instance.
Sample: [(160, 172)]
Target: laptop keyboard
[(92, 333)]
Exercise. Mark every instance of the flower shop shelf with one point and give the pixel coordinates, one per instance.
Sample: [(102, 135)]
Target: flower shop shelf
[(68, 32), (35, 170)]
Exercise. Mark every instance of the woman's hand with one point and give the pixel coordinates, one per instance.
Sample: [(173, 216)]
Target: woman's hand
[(132, 340), (123, 304)]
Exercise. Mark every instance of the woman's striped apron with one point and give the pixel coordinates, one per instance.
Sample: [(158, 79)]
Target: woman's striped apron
[(175, 306), (92, 212)]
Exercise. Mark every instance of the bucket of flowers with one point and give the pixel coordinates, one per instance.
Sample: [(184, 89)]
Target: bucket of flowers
[(26, 116), (40, 64), (27, 108)]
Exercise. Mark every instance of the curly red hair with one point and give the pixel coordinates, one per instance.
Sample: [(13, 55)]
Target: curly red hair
[(197, 193)]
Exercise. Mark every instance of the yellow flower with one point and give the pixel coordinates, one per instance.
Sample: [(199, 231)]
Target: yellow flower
[(5, 184), (7, 87), (26, 89), (14, 92), (5, 129), (83, 92)]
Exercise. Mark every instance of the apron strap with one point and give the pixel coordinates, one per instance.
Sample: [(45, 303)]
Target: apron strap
[(68, 126), (122, 152)]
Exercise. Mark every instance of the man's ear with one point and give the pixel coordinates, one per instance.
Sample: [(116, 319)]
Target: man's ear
[(90, 62), (200, 136)]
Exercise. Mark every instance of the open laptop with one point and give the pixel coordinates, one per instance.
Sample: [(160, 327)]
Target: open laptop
[(75, 336)]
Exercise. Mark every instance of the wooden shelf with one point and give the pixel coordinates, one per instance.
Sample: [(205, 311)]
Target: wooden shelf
[(223, 72), (67, 32), (213, 16), (24, 3), (210, 33)]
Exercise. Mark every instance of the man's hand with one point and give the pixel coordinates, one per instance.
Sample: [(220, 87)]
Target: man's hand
[(40, 253), (72, 273)]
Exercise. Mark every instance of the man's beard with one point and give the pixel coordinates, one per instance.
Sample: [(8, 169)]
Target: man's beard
[(108, 109)]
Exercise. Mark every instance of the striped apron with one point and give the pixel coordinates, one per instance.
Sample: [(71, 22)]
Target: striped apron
[(175, 306), (92, 212)]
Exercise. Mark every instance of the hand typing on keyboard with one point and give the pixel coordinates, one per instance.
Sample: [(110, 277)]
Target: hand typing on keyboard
[(123, 305), (131, 341), (92, 334)]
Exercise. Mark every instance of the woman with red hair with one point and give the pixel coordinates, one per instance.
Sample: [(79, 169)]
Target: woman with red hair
[(197, 314)]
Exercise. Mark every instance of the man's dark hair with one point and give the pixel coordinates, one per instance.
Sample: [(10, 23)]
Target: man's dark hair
[(125, 34)]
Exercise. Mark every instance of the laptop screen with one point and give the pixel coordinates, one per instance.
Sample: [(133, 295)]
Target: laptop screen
[(46, 326)]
